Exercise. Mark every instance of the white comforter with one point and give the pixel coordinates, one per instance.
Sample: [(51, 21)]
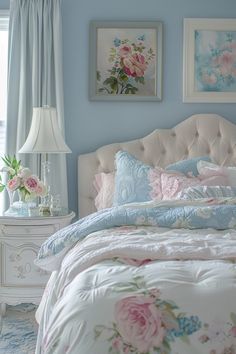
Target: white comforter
[(143, 290)]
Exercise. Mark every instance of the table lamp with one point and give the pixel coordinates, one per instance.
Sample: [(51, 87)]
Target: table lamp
[(44, 137)]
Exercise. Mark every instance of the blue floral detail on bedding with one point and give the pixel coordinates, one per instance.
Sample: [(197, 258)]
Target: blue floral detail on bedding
[(180, 216)]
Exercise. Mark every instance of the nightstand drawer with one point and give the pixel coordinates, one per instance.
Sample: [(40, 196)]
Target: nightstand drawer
[(18, 268), (20, 239), (28, 230)]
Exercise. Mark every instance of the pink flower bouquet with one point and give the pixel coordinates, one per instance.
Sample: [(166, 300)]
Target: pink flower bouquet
[(21, 178)]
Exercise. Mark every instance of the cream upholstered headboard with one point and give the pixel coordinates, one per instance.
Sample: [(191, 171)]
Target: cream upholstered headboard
[(199, 135)]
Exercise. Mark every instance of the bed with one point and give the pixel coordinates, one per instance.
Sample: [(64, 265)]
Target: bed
[(148, 276)]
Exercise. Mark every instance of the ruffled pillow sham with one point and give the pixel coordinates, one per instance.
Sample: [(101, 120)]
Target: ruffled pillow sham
[(166, 185), (131, 179)]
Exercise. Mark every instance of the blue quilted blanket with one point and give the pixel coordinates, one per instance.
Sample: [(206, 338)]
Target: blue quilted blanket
[(172, 214)]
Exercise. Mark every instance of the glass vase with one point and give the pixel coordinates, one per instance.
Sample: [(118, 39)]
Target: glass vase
[(11, 211), (23, 204)]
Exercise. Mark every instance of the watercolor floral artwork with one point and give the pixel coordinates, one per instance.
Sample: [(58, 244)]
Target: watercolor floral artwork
[(209, 60), (215, 60), (126, 62)]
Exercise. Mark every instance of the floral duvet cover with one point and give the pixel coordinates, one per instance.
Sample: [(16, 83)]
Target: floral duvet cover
[(141, 289)]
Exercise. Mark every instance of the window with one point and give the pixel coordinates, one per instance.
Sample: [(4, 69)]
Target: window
[(4, 20)]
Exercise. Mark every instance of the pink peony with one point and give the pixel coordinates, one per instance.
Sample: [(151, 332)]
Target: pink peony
[(13, 183), (41, 190), (31, 184), (134, 65), (139, 322)]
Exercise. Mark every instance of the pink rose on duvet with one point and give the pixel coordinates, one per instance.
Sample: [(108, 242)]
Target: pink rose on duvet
[(139, 322)]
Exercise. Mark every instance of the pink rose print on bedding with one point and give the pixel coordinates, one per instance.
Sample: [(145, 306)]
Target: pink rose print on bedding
[(139, 322), (145, 323), (220, 333)]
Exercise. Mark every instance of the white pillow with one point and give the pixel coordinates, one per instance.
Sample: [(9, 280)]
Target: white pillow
[(205, 167)]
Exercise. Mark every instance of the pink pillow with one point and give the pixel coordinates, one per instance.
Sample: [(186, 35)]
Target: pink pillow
[(104, 183), (167, 185)]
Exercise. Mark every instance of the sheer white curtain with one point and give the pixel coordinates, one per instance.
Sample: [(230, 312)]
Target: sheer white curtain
[(35, 78)]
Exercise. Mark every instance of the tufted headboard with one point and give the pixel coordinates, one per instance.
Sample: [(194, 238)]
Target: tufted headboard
[(199, 135)]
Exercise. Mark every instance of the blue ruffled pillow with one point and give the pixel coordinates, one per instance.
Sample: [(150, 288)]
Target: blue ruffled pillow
[(131, 180), (132, 177), (188, 167)]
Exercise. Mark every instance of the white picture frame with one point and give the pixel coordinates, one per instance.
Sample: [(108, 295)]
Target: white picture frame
[(209, 66)]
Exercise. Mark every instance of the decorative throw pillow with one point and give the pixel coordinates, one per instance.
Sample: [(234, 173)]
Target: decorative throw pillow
[(205, 168), (208, 192), (168, 185), (189, 166), (131, 180), (104, 184)]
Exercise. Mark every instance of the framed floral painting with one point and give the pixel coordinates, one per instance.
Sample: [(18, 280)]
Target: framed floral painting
[(209, 60), (125, 61)]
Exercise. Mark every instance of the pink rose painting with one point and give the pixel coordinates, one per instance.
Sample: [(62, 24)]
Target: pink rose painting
[(126, 61)]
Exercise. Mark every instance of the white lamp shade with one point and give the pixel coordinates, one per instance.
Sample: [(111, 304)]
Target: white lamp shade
[(44, 135)]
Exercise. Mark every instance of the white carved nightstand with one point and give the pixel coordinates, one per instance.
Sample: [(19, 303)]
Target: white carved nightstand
[(21, 281)]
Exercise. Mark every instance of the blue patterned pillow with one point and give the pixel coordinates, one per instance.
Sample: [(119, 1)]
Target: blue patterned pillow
[(131, 180), (189, 166)]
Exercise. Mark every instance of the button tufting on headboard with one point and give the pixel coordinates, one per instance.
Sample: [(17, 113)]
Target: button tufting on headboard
[(201, 134)]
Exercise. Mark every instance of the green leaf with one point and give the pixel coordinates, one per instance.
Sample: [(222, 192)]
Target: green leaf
[(233, 318), (123, 77), (109, 80), (131, 90), (140, 79), (125, 288)]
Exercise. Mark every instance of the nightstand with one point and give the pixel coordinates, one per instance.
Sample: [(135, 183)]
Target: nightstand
[(21, 281)]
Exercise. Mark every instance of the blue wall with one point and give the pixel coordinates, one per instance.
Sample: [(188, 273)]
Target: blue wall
[(92, 124)]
